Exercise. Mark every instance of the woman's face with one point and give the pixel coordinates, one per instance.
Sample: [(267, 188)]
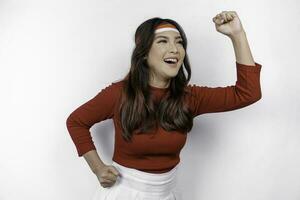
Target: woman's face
[(166, 44)]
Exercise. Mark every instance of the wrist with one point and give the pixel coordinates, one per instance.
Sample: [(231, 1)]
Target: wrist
[(238, 36)]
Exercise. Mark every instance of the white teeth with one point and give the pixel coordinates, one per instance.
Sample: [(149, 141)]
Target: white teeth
[(171, 59)]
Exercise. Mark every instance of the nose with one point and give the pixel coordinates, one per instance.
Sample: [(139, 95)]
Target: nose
[(173, 48)]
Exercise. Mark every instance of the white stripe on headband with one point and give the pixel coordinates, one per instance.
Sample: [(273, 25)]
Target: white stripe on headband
[(166, 29)]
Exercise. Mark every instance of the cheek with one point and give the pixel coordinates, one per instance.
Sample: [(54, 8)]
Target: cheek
[(183, 54), (156, 53)]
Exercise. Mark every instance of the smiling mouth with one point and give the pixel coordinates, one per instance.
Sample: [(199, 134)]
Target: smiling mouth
[(170, 63)]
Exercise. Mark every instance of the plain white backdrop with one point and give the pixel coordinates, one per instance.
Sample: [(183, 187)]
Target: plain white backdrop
[(56, 55)]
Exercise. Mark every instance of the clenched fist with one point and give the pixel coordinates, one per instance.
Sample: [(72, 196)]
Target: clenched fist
[(228, 23), (107, 175)]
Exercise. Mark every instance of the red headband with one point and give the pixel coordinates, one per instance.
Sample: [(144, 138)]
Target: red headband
[(165, 27)]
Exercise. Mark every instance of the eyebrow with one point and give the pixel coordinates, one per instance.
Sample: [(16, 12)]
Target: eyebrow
[(167, 37)]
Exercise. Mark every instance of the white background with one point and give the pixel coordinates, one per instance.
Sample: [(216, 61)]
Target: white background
[(56, 55)]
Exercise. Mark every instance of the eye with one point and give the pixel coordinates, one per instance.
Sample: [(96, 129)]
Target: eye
[(181, 42), (162, 41)]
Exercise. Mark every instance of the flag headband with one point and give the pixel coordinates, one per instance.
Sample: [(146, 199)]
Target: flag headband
[(165, 27)]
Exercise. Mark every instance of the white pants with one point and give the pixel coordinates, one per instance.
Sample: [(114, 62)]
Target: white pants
[(138, 185)]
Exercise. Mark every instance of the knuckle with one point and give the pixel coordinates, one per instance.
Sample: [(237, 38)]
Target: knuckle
[(103, 181)]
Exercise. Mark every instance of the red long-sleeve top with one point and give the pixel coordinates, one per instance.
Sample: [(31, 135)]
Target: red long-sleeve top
[(159, 153)]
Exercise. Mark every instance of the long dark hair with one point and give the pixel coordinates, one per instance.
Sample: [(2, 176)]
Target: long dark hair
[(138, 112)]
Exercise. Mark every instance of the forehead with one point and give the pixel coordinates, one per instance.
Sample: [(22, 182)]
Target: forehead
[(167, 34)]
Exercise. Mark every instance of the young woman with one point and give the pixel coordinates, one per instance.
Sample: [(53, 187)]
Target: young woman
[(153, 109)]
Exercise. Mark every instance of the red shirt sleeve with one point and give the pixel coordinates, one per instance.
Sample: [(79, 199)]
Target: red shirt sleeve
[(99, 108), (246, 91)]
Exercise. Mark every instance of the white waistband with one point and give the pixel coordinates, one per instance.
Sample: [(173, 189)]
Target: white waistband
[(160, 184)]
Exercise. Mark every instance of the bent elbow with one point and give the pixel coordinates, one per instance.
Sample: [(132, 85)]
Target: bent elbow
[(258, 96), (70, 121), (255, 98)]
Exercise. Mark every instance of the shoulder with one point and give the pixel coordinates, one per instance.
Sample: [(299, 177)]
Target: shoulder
[(192, 89), (116, 87), (118, 83), (110, 90)]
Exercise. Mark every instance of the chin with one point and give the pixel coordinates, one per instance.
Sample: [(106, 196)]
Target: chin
[(171, 75)]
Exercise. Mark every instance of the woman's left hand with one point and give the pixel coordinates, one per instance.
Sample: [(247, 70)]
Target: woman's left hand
[(228, 23)]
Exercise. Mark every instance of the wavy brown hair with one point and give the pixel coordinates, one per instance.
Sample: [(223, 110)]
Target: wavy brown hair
[(138, 113)]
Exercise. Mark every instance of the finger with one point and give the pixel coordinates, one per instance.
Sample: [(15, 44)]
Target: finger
[(106, 185), (108, 175), (233, 14), (215, 19), (224, 16), (219, 16), (114, 171), (104, 180), (230, 15), (218, 19), (111, 177), (228, 18)]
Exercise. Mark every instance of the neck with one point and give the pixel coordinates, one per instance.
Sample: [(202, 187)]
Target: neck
[(160, 84)]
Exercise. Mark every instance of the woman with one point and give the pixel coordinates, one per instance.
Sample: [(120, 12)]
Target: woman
[(153, 109)]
